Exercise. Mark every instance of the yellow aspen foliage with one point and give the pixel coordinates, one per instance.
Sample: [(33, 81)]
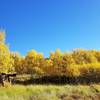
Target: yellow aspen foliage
[(72, 71), (17, 60), (5, 61), (32, 54), (92, 70), (82, 56), (34, 62)]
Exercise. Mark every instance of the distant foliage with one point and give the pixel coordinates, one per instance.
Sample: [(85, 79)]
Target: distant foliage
[(73, 64), (77, 63)]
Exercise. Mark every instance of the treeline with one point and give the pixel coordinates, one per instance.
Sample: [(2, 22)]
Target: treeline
[(77, 63), (73, 64)]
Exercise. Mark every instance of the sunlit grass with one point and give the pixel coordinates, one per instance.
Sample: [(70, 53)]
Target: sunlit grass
[(47, 92)]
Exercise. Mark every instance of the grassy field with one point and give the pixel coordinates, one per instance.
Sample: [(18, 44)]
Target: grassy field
[(50, 92)]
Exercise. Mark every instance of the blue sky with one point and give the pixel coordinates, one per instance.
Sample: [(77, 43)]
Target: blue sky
[(45, 25)]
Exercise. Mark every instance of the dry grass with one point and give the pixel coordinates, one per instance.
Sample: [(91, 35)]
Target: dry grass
[(50, 92)]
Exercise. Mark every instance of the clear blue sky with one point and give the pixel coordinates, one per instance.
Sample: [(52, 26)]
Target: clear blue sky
[(45, 25)]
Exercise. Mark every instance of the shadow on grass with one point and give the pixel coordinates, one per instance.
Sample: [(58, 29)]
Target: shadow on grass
[(59, 80)]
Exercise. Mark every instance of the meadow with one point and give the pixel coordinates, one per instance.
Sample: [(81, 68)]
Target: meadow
[(50, 92)]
